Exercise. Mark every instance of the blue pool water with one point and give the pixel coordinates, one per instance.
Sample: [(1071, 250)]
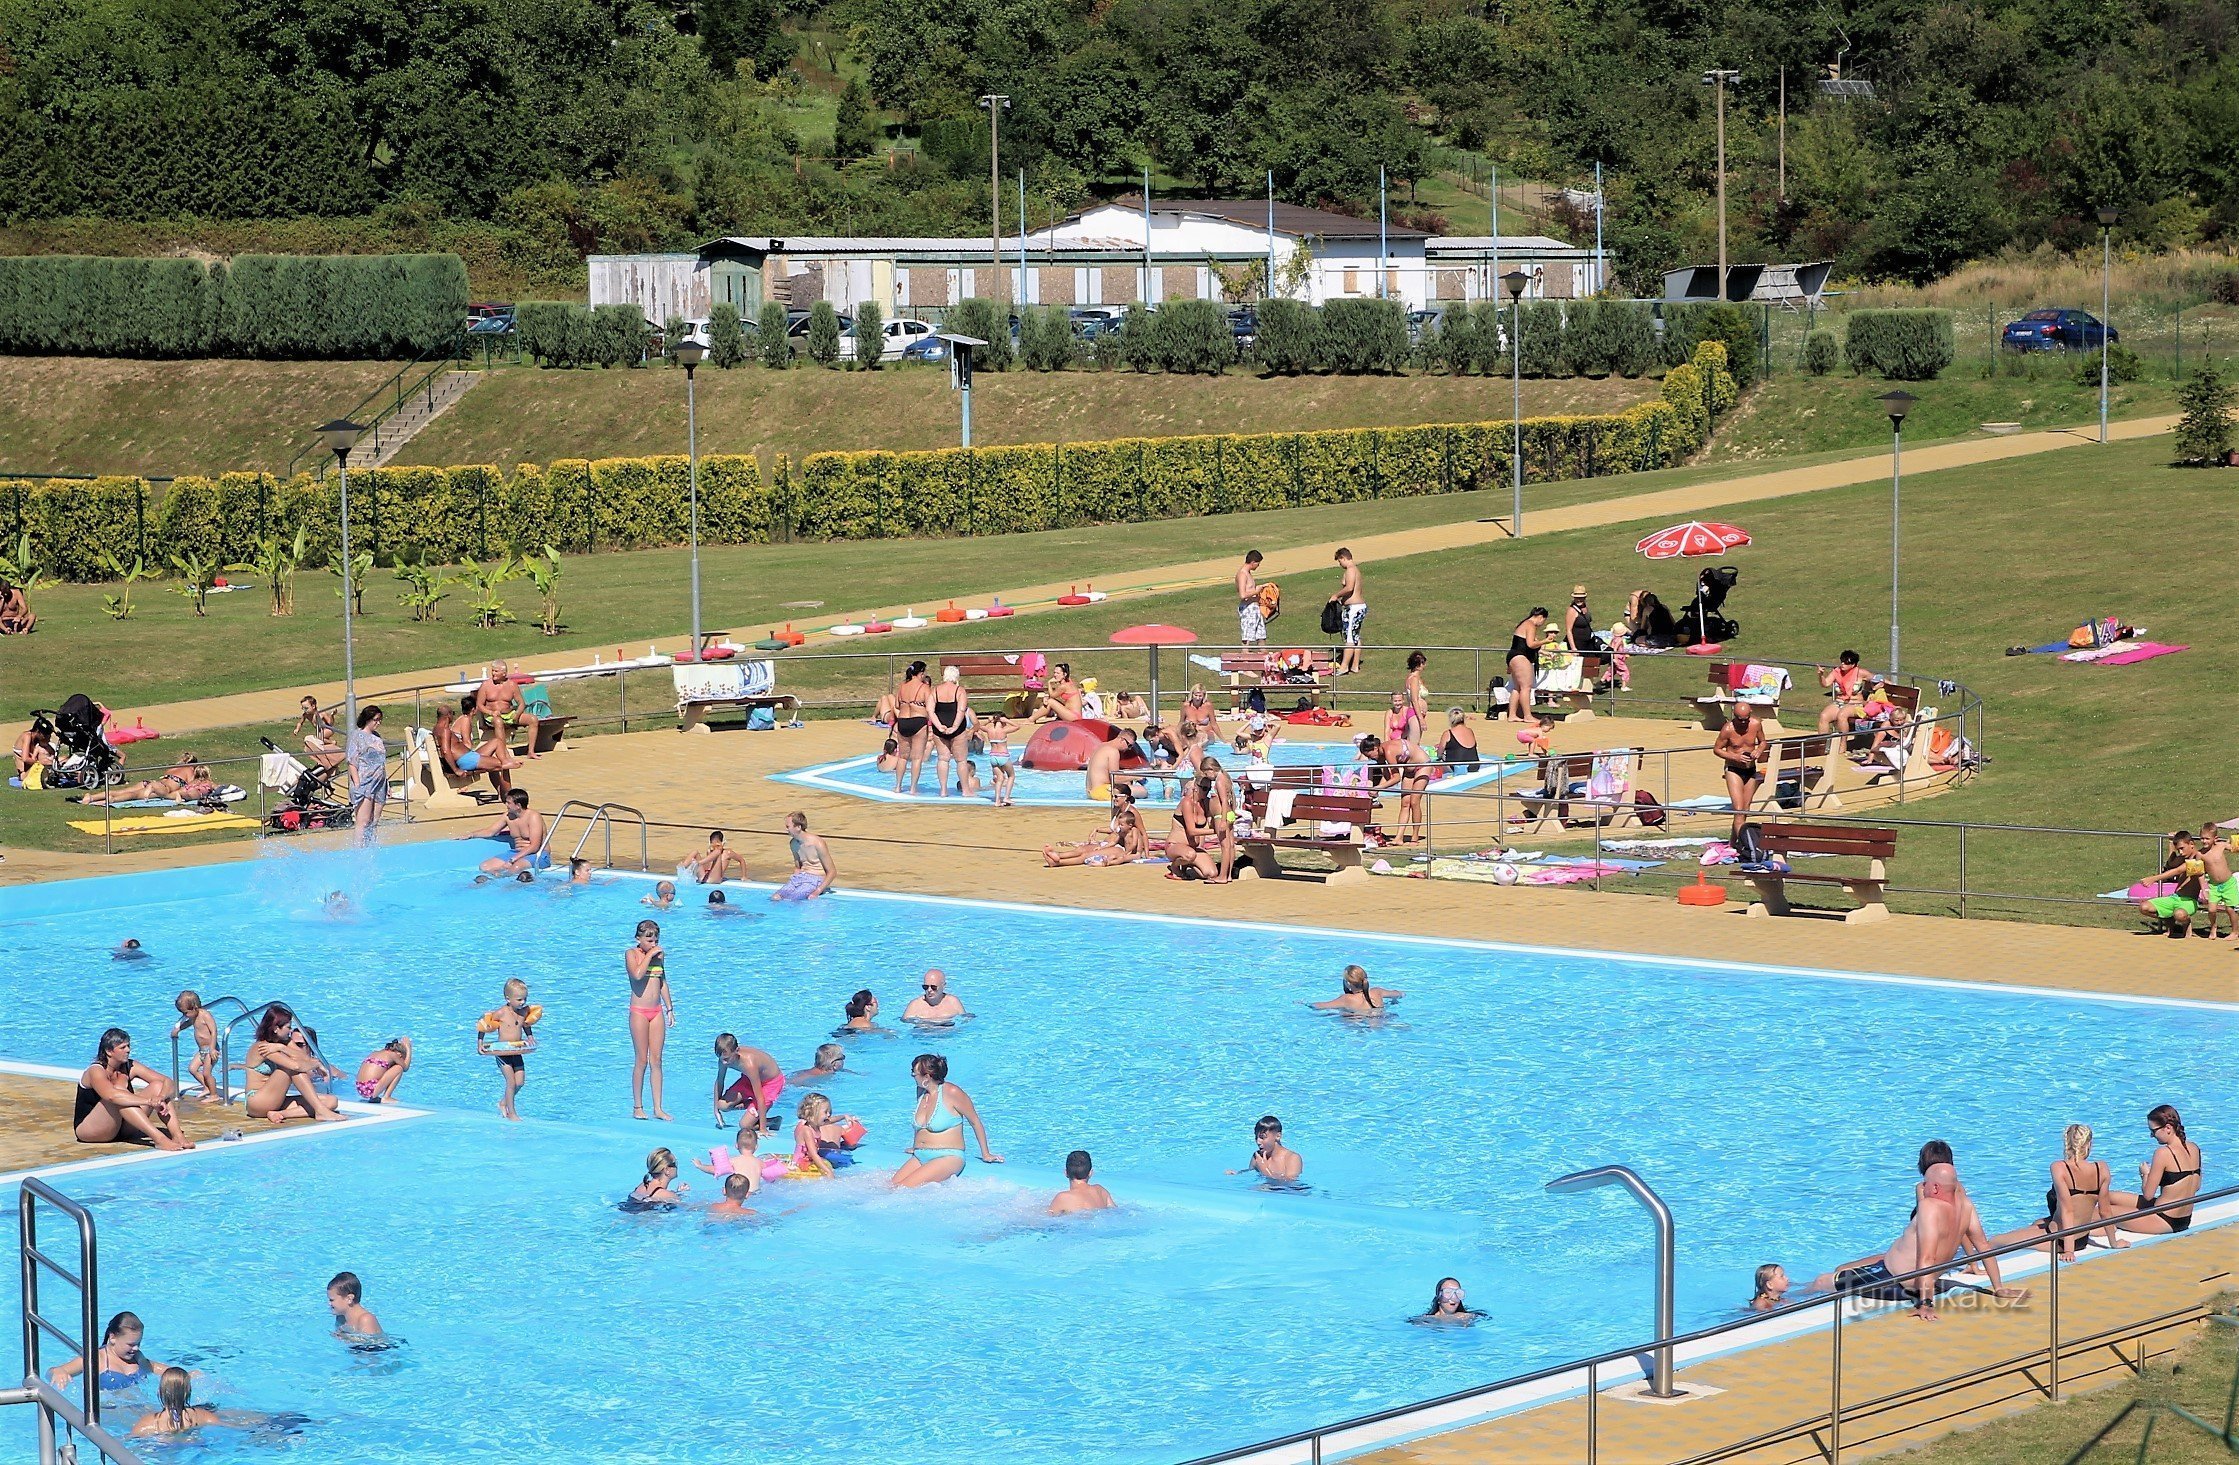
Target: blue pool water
[(861, 778), (1778, 1113)]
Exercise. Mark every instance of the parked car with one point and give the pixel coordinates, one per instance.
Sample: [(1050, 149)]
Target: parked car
[(901, 335), (1419, 321), (1106, 327), (1243, 324), (926, 348), (2057, 330)]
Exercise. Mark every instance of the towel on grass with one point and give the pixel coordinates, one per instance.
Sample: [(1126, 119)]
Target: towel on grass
[(164, 824), (232, 793), (2142, 651)]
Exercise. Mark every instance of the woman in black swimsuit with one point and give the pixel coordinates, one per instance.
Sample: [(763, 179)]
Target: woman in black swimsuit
[(1523, 664), (949, 719), (1460, 750), (2077, 1197), (109, 1109), (912, 702), (2171, 1176)]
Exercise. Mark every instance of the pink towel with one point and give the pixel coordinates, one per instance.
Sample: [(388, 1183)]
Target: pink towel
[(2145, 652)]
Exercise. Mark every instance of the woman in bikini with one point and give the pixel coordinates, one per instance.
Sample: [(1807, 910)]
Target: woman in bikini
[(383, 1069), (652, 1014), (284, 1079), (912, 703), (2170, 1177), (943, 1109), (1524, 645), (1418, 691), (463, 762), (949, 721), (1358, 997), (316, 728), (109, 1109), (2077, 1197), (182, 783)]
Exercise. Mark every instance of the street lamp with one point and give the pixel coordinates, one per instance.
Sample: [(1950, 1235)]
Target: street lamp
[(1721, 80), (339, 436), (1896, 404), (2107, 217), (1515, 281), (690, 352), (1659, 1367)]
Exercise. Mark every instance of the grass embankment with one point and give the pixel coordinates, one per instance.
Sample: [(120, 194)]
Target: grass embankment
[(1793, 413)]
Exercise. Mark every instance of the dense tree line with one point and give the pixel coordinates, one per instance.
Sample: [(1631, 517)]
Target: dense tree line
[(625, 124)]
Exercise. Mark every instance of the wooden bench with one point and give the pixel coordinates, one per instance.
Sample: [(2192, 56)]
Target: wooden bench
[(1552, 799), (1260, 850), (1809, 761), (1242, 672), (715, 686), (1571, 701), (1874, 846), (1715, 708), (997, 675)]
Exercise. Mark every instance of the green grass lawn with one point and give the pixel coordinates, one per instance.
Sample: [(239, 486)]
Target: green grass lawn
[(1793, 413)]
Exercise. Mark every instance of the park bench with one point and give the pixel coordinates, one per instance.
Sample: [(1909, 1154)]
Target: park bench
[(740, 686), (997, 675), (1716, 707), (1874, 846), (1305, 672), (1562, 691), (551, 728), (1309, 810), (1805, 765)]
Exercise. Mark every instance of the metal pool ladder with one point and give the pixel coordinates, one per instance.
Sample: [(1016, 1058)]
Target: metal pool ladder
[(598, 814), (210, 1007), (58, 1447)]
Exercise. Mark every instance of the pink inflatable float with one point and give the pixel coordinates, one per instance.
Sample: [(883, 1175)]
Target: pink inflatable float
[(1065, 746)]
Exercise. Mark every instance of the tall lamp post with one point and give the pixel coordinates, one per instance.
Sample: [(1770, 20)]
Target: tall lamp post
[(689, 353), (1515, 281), (2107, 217), (996, 102), (1721, 80), (1896, 404), (339, 436)]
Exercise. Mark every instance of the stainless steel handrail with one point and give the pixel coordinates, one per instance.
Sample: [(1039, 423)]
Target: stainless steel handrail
[(603, 812), (84, 1417), (225, 1046), (1313, 1440)]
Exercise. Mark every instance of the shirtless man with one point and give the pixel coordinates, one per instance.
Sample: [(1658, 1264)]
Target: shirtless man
[(1930, 1239), (1121, 841), (1101, 773), (936, 1003), (524, 827), (755, 1091), (1251, 618), (1742, 750), (812, 862), (1080, 1193), (498, 703), (1269, 1158), (713, 864), (1355, 608)]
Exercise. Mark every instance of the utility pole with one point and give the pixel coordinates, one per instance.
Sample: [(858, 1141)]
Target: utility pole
[(1022, 241), (1383, 242), (1783, 187), (1492, 285), (1601, 260), (1721, 80), (995, 102)]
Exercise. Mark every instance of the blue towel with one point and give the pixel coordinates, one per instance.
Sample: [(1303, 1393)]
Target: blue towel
[(2049, 647)]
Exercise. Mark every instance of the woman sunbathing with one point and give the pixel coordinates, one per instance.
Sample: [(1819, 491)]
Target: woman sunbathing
[(184, 782)]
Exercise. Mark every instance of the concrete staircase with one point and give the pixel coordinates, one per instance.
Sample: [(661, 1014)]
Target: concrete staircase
[(391, 433)]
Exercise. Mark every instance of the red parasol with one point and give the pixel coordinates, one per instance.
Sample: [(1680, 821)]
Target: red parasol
[(1154, 637), (1692, 540)]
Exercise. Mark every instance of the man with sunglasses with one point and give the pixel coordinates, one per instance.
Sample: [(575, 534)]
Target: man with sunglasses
[(937, 1004)]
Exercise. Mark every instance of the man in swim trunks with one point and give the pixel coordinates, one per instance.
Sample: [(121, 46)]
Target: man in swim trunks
[(2173, 912), (1101, 773), (1742, 750), (937, 1003), (755, 1091), (1269, 1158), (1354, 606), (523, 828), (498, 703), (1080, 1193), (711, 865), (831, 1058), (1251, 616), (812, 862), (1930, 1239)]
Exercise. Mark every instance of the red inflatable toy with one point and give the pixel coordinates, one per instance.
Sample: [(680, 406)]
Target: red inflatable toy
[(1065, 746)]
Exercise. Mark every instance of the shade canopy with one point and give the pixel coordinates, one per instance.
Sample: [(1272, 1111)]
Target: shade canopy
[(1155, 636), (1691, 540)]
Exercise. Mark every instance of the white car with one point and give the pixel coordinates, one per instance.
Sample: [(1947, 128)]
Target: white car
[(901, 334)]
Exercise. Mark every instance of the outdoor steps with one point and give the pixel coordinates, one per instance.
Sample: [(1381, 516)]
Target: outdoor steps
[(423, 408)]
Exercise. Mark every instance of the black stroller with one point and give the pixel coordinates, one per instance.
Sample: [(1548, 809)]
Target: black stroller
[(1703, 624), (307, 797), (87, 760)]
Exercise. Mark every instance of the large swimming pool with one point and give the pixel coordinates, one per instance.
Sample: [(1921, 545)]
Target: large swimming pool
[(1778, 1113)]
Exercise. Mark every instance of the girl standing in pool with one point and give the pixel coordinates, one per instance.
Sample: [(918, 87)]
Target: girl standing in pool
[(652, 1014), (943, 1109)]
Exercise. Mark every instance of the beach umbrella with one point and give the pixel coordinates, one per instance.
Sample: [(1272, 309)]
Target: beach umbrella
[(1692, 540), (1154, 637)]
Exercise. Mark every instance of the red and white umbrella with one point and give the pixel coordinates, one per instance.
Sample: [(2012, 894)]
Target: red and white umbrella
[(1691, 540)]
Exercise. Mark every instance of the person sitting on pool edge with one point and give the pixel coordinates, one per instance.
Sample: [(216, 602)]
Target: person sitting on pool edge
[(523, 828), (1269, 1158), (123, 1102), (937, 1004), (1080, 1193), (1446, 1306), (812, 862), (1930, 1239), (713, 864), (346, 1297), (943, 1109), (1121, 841)]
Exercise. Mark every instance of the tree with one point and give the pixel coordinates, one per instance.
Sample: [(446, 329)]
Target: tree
[(870, 335), (771, 341), (726, 338), (732, 31), (2204, 433), (824, 334), (856, 135)]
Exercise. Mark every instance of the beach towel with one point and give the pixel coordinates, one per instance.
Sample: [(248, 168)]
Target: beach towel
[(164, 824), (2101, 653), (232, 793), (2137, 652)]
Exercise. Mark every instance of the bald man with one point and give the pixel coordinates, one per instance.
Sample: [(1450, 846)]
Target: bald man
[(937, 1004), (1930, 1239)]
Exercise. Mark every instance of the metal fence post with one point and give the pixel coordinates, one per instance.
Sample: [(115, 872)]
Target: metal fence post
[(622, 683), (2052, 1341), (1963, 872), (1593, 1413), (1835, 1390)]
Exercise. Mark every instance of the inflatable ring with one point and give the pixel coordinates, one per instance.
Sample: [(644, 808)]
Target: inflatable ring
[(846, 630), (950, 615)]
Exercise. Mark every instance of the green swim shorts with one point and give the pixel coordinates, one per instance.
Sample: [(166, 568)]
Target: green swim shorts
[(2225, 893), (2169, 907)]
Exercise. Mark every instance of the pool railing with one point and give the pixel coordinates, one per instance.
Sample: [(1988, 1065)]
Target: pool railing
[(1824, 1428), (84, 1416)]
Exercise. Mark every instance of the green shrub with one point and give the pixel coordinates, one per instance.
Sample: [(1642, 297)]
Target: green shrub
[(1820, 352), (1542, 344), (1193, 336), (1452, 343), (1045, 340), (1361, 336), (824, 334), (1900, 345), (1139, 345), (559, 333), (1496, 331), (1289, 337), (1631, 328), (726, 337), (870, 335), (771, 344), (1586, 344), (1683, 327), (619, 335), (1736, 327), (1723, 390), (2204, 432), (2123, 365), (990, 321)]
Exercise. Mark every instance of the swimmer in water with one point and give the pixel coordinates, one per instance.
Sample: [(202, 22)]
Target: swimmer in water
[(579, 871), (1358, 997), (119, 1363), (663, 896), (737, 1189), (660, 1187), (1269, 1158), (862, 1013), (937, 1004), (337, 906), (1446, 1309), (719, 905), (761, 1079), (346, 1296), (174, 1413), (831, 1058), (129, 949), (1080, 1193), (1772, 1288)]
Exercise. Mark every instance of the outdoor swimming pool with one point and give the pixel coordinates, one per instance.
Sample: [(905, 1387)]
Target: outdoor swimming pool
[(860, 777), (1777, 1112)]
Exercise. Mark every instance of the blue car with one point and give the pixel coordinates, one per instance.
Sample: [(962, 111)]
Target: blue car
[(926, 348), (2058, 330)]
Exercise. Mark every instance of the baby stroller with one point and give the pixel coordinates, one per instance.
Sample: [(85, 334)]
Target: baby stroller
[(87, 759), (307, 796), (1703, 625)]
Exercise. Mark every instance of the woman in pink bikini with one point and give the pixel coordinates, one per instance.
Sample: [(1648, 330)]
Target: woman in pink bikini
[(652, 1014)]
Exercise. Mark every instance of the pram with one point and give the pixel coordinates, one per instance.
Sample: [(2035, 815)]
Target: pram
[(1702, 624), (307, 796), (88, 760)]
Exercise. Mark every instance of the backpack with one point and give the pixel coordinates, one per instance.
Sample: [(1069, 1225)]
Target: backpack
[(1271, 601), (1333, 618), (1747, 846), (1647, 810), (760, 719)]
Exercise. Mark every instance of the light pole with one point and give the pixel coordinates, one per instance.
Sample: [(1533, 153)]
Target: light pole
[(340, 436), (1659, 1369), (1896, 404), (2107, 217), (1721, 80), (995, 102), (1516, 280), (689, 353)]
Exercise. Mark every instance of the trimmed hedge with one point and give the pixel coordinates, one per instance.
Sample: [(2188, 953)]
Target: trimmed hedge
[(562, 333), (1820, 352), (1901, 345), (268, 306)]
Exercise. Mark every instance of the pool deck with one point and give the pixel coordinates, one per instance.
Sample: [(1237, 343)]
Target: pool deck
[(36, 1130)]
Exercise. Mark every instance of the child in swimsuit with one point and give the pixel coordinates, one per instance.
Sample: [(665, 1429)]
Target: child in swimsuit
[(508, 1034), (652, 1013), (205, 1063), (808, 1136), (383, 1070), (1002, 769)]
